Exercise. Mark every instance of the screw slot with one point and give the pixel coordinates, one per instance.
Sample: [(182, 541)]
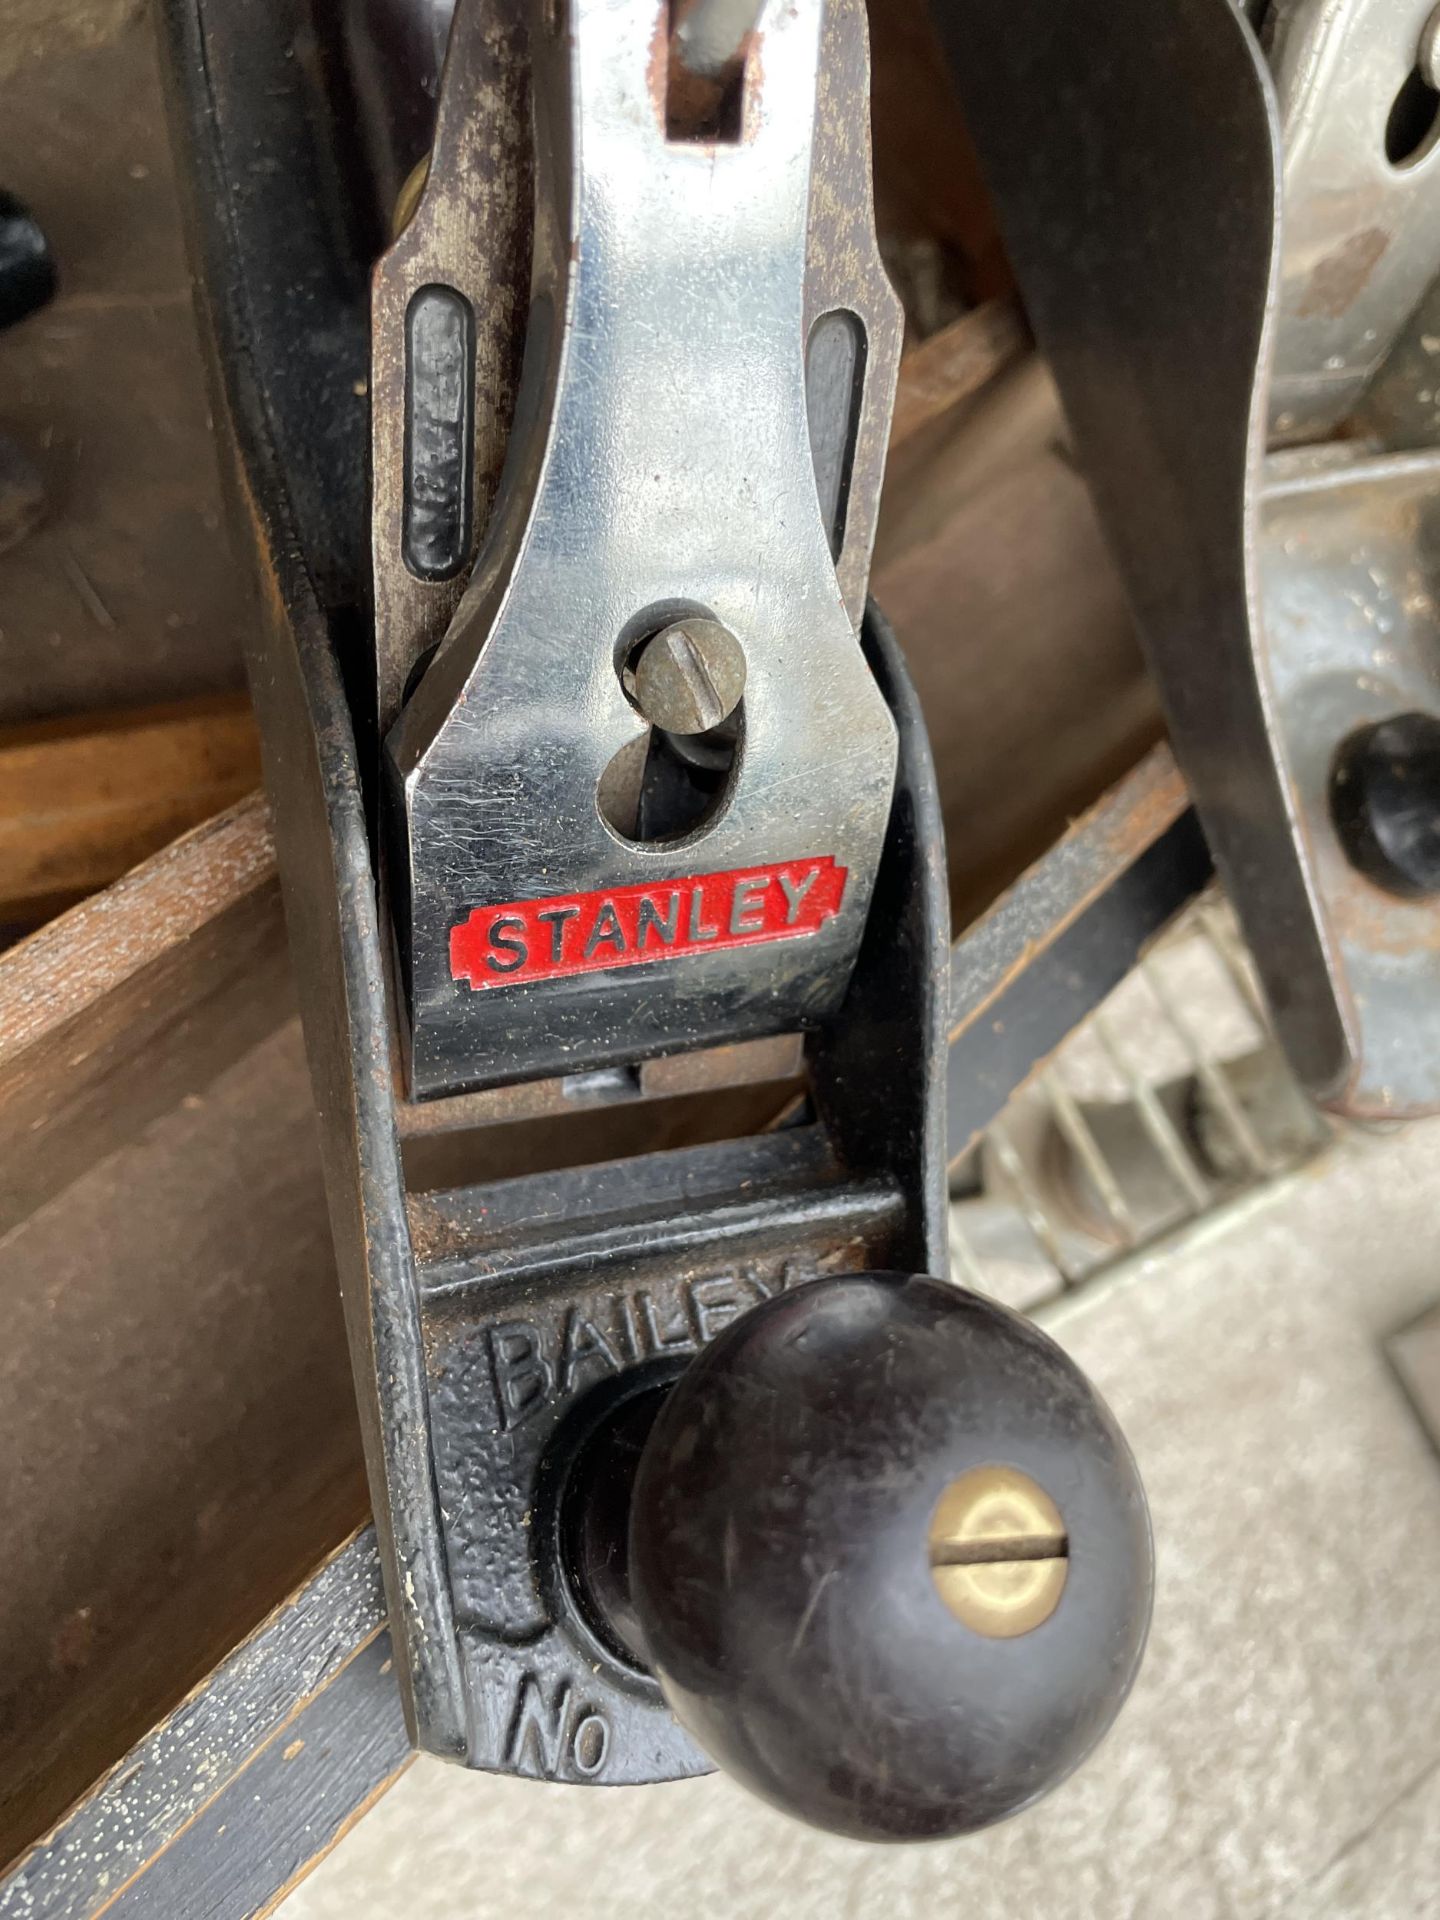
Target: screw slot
[(688, 678), (686, 681)]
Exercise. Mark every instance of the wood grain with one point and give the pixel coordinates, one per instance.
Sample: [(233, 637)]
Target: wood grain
[(177, 1419), (953, 365), (993, 571), (86, 797), (134, 999)]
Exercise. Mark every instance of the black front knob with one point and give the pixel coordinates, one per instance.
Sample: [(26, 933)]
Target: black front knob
[(890, 1556)]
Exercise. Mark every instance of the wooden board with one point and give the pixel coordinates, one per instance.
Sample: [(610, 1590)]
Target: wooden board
[(85, 798), (127, 593), (176, 1415), (991, 566), (134, 1000)]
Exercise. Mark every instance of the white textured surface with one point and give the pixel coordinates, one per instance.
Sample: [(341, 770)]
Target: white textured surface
[(1282, 1751)]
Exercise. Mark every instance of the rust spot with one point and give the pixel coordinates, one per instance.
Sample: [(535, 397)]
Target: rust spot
[(708, 109), (753, 65), (657, 68), (1340, 279), (1152, 810), (295, 1747), (1365, 916)]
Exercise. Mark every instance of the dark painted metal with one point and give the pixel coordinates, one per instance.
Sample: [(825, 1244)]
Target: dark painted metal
[(275, 289), (878, 1070), (494, 1655), (1143, 226), (394, 51), (547, 1302)]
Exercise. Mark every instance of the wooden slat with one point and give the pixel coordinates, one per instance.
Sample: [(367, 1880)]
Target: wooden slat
[(176, 1414), (952, 366), (134, 999), (84, 799), (177, 1419), (148, 1838)]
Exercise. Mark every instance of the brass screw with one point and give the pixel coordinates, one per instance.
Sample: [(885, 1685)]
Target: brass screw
[(999, 1553)]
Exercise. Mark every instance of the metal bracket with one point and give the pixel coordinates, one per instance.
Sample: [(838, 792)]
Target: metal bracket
[(1349, 572)]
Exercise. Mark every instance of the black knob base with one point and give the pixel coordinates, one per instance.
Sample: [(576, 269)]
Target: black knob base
[(890, 1557)]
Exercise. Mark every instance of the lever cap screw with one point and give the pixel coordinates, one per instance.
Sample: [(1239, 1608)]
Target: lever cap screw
[(689, 678)]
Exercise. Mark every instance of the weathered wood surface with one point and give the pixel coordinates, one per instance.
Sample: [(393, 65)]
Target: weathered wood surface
[(991, 567), (83, 799), (135, 999), (177, 1420), (953, 365), (304, 1703), (176, 1417)]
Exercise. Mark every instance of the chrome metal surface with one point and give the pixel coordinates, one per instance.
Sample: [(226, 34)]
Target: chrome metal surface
[(1283, 605), (1427, 58), (1360, 133), (661, 468), (1349, 561)]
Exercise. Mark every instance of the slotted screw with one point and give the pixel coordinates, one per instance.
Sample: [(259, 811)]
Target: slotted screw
[(999, 1552), (690, 677)]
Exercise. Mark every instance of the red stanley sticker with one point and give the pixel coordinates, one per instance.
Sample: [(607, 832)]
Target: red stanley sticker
[(531, 940)]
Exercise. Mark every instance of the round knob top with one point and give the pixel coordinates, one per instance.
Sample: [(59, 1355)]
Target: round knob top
[(891, 1557)]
